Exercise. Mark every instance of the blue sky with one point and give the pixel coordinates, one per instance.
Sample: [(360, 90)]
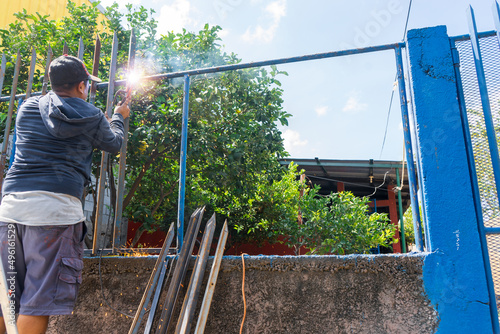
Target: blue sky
[(339, 105)]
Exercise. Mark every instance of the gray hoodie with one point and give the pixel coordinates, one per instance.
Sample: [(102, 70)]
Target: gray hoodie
[(55, 140)]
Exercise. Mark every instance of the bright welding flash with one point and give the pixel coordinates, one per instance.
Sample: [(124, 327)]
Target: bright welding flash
[(132, 80)]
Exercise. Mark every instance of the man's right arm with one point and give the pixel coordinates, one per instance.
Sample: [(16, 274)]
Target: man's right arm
[(109, 136)]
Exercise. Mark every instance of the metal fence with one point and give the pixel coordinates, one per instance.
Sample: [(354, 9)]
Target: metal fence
[(477, 59), (110, 86)]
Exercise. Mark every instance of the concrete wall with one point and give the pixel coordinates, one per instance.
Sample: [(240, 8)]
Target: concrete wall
[(328, 294)]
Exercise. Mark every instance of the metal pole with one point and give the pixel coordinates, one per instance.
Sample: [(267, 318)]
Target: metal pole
[(2, 72), (8, 122), (46, 74), (104, 160), (412, 182), (156, 298), (240, 66), (31, 74), (400, 206), (212, 280), (95, 69), (80, 49), (134, 328), (191, 299), (475, 192), (180, 271), (123, 157), (485, 101), (182, 167)]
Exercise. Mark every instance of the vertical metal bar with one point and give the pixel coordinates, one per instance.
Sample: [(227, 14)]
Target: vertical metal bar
[(191, 299), (182, 171), (180, 271), (134, 328), (212, 280), (95, 69), (46, 74), (2, 72), (156, 298), (485, 101), (400, 207), (475, 192), (31, 74), (8, 122), (104, 160), (496, 18), (81, 48), (123, 155), (412, 182), (65, 49)]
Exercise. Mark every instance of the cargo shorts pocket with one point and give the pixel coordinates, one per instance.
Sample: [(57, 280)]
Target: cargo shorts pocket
[(70, 277)]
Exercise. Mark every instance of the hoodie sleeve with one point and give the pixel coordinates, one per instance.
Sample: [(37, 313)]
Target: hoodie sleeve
[(109, 135)]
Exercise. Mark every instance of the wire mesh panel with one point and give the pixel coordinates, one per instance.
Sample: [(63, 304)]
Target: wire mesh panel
[(490, 53)]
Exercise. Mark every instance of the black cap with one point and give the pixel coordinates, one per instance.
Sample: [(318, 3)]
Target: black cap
[(67, 70)]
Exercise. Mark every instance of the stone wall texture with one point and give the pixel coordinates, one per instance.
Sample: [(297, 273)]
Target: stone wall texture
[(306, 294)]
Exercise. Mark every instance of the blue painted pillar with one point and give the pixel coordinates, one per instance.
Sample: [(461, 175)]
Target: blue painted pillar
[(454, 275)]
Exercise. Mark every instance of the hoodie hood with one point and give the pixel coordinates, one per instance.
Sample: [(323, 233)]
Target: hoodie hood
[(68, 117)]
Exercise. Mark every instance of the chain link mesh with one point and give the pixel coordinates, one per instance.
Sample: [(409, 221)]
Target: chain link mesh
[(490, 53)]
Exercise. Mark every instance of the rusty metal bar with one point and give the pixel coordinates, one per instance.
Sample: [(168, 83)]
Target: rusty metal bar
[(190, 301), (212, 280), (65, 49), (104, 160), (95, 69), (8, 122), (153, 280), (31, 74), (180, 271), (81, 48), (2, 72), (123, 154), (46, 74)]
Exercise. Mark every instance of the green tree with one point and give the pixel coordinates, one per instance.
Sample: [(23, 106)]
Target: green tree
[(233, 140)]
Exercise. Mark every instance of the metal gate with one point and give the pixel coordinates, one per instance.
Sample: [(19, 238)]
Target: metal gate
[(477, 63)]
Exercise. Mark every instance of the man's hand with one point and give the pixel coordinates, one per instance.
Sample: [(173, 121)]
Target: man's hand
[(123, 108)]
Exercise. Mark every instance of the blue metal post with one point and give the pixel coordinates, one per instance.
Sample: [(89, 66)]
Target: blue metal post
[(485, 101), (412, 182), (475, 192), (182, 171)]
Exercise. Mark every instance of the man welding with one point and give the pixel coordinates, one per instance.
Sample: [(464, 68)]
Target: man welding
[(41, 217)]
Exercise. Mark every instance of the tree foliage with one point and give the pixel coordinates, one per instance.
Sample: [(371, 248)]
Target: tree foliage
[(233, 144)]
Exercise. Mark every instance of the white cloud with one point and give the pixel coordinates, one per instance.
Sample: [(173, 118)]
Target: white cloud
[(321, 111), (353, 104), (274, 11), (174, 17), (223, 33), (292, 140)]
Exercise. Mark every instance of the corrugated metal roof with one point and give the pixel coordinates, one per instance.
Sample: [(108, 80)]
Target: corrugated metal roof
[(355, 174)]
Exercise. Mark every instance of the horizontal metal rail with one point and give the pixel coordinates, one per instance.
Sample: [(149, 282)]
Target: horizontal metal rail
[(466, 37), (232, 67)]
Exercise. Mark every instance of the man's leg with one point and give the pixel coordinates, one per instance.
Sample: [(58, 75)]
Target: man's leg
[(2, 326), (30, 324)]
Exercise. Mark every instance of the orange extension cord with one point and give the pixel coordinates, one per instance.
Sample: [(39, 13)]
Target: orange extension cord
[(243, 293)]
